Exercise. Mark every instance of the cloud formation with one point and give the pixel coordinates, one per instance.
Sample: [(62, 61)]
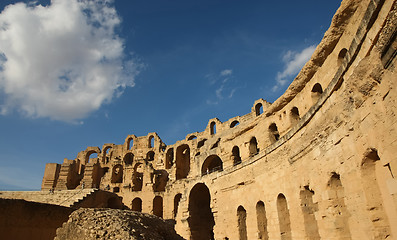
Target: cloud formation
[(224, 87), (293, 63), (61, 61)]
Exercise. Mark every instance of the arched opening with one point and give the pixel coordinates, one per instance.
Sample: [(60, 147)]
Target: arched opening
[(273, 132), (117, 174), (192, 137), (342, 55), (137, 177), (234, 123), (283, 217), (211, 164), (136, 205), (130, 143), (258, 109), (294, 115), (150, 156), (151, 142), (236, 155), (182, 161), (253, 147), (128, 159), (212, 128), (242, 223), (160, 180), (107, 154), (200, 220), (177, 199), (91, 156), (317, 90), (308, 209), (373, 195), (261, 221), (338, 215), (169, 158), (201, 143), (158, 206)]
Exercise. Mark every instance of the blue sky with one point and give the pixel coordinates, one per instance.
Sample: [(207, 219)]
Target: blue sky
[(83, 73)]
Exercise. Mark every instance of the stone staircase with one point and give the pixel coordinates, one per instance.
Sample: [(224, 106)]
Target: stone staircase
[(66, 198)]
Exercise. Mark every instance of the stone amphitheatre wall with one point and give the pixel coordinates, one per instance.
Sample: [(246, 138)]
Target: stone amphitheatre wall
[(320, 162)]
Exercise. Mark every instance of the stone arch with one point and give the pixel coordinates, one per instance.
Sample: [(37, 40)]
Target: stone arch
[(242, 223), (158, 206), (137, 177), (212, 128), (182, 161), (258, 109), (160, 180), (130, 143), (253, 146), (169, 158), (342, 54), (211, 164), (261, 221), (128, 159), (234, 123), (151, 141), (177, 199), (191, 137), (317, 90), (373, 195), (89, 152), (201, 220), (106, 154), (308, 209), (136, 204), (337, 211), (283, 217), (117, 174), (294, 115), (150, 156), (274, 135), (236, 158)]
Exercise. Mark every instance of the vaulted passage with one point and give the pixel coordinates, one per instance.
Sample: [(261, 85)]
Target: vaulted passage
[(182, 161), (308, 209), (158, 206), (136, 205), (262, 221), (137, 177), (211, 164), (336, 210), (117, 174), (201, 220), (283, 217), (242, 223), (373, 196)]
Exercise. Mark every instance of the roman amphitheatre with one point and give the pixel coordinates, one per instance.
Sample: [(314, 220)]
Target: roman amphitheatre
[(318, 163)]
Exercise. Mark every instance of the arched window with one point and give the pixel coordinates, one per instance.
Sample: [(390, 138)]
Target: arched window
[(151, 142), (192, 137), (273, 131), (128, 158), (261, 221), (169, 158), (136, 205), (201, 143), (236, 155), (317, 90), (283, 217), (137, 177), (211, 164), (294, 115), (177, 199), (234, 123), (258, 109), (212, 128), (91, 156), (160, 180), (242, 223), (342, 55), (253, 147), (107, 154), (150, 156), (182, 161), (158, 206), (117, 174), (130, 143)]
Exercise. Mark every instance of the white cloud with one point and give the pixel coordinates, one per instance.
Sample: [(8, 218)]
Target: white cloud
[(294, 61), (226, 72), (224, 87), (62, 61)]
